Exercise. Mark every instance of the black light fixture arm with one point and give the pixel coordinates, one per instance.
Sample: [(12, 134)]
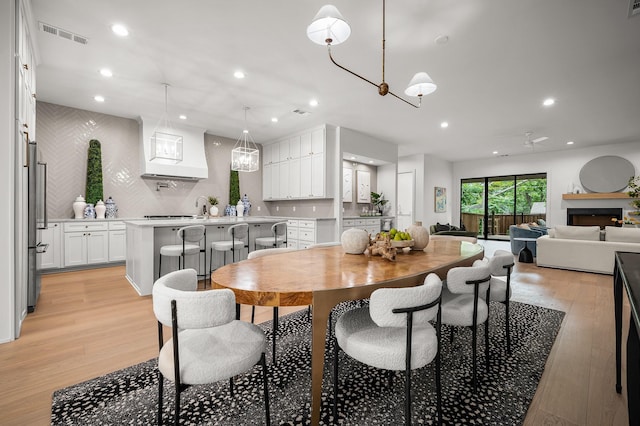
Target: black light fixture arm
[(383, 88)]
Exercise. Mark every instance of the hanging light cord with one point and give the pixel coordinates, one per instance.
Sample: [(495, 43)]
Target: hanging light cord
[(383, 88)]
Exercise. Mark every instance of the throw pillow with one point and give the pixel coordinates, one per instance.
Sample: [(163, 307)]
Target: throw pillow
[(622, 235), (541, 222), (523, 226), (588, 233)]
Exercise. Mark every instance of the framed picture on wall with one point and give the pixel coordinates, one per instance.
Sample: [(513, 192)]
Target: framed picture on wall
[(347, 185), (440, 199), (364, 186)]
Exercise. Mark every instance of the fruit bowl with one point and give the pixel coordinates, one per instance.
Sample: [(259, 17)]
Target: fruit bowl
[(402, 243)]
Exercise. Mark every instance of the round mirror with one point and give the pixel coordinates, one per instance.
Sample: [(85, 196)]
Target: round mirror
[(608, 173)]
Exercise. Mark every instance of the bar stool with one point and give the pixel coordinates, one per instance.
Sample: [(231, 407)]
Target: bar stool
[(279, 231), (239, 239), (191, 237)]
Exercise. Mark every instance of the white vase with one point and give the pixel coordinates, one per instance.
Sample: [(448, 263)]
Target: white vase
[(78, 207), (213, 211), (100, 209), (240, 209), (354, 241), (420, 236)]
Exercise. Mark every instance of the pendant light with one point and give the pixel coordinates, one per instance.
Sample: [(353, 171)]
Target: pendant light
[(165, 144), (245, 156), (329, 27)]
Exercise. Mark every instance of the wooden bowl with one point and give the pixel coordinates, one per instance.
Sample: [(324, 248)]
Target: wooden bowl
[(402, 244)]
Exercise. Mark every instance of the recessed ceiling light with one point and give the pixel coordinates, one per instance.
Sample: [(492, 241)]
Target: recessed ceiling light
[(570, 143), (119, 29), (549, 102), (444, 124), (106, 72), (274, 119), (182, 117), (313, 102), (98, 98), (370, 161), (495, 152), (352, 158), (442, 39), (238, 74)]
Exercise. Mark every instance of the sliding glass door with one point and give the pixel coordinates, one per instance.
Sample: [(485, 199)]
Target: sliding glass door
[(489, 205)]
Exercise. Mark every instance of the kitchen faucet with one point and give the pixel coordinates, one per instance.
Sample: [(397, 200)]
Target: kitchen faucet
[(204, 206)]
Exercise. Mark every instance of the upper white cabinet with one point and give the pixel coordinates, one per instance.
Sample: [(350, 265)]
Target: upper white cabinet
[(26, 77), (300, 171)]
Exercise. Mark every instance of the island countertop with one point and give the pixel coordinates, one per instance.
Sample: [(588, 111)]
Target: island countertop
[(223, 220)]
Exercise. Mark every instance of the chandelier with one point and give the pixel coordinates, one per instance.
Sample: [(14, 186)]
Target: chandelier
[(164, 144), (245, 156), (330, 28)]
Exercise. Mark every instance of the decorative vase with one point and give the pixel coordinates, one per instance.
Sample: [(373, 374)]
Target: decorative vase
[(227, 210), (240, 208), (78, 207), (213, 211), (89, 212), (354, 241), (247, 204), (111, 210), (232, 210), (100, 209), (420, 236)]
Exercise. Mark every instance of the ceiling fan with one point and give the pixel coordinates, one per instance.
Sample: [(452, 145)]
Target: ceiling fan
[(531, 143)]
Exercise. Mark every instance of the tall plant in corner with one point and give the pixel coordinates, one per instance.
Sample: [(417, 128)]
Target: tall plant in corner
[(234, 188), (94, 173), (634, 192)]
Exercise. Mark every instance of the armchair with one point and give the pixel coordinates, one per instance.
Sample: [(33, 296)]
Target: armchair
[(517, 232)]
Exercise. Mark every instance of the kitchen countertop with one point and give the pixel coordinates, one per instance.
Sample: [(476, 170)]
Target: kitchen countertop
[(224, 220)]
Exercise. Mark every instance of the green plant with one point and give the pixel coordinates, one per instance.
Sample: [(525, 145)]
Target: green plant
[(234, 188), (213, 200), (94, 172), (634, 192), (378, 200)]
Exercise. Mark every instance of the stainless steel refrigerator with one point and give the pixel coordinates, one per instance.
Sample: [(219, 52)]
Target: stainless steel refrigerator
[(36, 219)]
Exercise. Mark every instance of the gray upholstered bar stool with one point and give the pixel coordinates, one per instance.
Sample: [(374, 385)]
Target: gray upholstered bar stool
[(279, 236), (239, 239), (191, 237)]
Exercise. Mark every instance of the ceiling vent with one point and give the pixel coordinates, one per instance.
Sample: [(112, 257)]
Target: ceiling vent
[(301, 112), (634, 8), (68, 35)]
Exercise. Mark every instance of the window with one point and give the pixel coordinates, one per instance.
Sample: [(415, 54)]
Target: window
[(489, 205)]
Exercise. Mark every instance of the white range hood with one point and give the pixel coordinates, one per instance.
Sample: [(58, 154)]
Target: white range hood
[(193, 165)]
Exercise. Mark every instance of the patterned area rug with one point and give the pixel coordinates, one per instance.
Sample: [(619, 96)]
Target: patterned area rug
[(129, 396)]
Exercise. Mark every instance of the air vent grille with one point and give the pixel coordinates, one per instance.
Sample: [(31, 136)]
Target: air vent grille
[(68, 35), (301, 112), (634, 8)]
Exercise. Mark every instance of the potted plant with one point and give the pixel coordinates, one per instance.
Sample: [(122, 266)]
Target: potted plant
[(213, 210), (378, 201), (634, 192)]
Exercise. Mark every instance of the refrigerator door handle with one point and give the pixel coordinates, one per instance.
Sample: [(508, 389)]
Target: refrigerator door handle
[(45, 225)]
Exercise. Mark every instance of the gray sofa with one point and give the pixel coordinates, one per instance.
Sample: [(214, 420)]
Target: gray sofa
[(517, 232)]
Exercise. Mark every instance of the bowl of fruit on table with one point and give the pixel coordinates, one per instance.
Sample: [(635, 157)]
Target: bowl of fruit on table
[(399, 239)]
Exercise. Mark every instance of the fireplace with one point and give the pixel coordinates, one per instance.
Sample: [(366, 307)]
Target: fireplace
[(592, 217)]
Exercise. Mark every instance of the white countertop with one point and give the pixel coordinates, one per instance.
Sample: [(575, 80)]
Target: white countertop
[(224, 220)]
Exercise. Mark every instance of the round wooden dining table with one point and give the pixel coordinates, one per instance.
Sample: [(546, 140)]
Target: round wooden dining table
[(325, 276)]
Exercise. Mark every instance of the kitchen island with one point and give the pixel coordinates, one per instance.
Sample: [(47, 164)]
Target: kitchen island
[(145, 237)]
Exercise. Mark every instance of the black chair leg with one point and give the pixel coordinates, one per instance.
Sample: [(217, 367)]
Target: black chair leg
[(275, 334), (335, 380), (473, 357), (253, 314), (176, 417), (160, 389), (407, 397), (263, 363), (160, 266)]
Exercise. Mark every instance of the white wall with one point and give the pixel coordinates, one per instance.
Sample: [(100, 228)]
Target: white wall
[(562, 168), (7, 170)]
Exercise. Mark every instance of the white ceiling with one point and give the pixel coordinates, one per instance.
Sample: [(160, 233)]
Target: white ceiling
[(503, 58)]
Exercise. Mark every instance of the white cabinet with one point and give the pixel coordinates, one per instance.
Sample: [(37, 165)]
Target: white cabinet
[(26, 78), (298, 170), (117, 242), (85, 243), (52, 238), (302, 233), (371, 225)]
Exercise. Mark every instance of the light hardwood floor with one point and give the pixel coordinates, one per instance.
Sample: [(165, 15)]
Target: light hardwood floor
[(92, 322)]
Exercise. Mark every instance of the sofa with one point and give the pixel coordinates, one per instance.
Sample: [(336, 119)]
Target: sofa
[(585, 248), (447, 229), (519, 231)]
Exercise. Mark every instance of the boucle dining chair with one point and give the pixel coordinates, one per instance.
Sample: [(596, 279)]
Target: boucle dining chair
[(278, 237), (462, 306), (500, 265), (393, 333), (207, 345), (262, 253), (190, 237)]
